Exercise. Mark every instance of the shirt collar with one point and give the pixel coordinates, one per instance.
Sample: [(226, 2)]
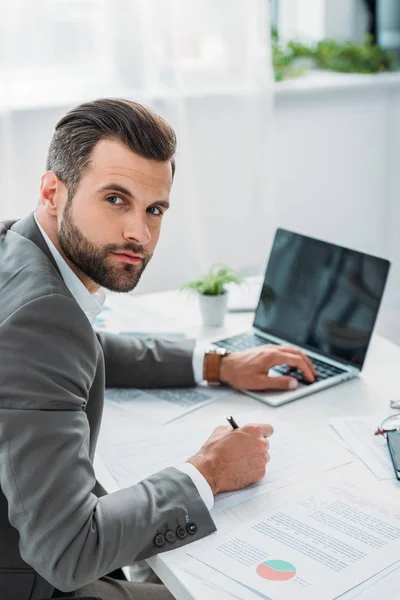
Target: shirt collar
[(91, 304)]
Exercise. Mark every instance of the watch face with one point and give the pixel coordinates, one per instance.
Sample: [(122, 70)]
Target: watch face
[(221, 351)]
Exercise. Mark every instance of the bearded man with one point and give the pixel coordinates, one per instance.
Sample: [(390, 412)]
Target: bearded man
[(110, 169)]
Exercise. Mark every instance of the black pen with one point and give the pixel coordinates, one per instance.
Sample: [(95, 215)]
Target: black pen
[(232, 422)]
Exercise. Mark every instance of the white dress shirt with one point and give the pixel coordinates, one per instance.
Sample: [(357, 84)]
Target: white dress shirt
[(92, 305)]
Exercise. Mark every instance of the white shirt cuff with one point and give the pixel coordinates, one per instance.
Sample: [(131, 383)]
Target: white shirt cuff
[(198, 361), (200, 482)]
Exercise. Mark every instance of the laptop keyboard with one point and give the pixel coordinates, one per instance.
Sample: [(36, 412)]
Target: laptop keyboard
[(324, 371), (244, 341)]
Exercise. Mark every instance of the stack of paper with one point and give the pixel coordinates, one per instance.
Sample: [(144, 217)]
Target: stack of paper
[(336, 542)]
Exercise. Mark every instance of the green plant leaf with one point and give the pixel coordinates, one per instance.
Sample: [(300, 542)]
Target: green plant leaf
[(330, 54), (214, 281)]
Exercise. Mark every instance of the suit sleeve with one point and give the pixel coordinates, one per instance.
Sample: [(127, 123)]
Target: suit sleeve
[(132, 362), (48, 356)]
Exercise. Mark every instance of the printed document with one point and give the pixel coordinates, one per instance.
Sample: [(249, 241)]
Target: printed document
[(358, 435), (293, 458), (384, 585), (317, 547)]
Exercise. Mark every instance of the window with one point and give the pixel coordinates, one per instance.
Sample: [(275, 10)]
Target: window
[(341, 19)]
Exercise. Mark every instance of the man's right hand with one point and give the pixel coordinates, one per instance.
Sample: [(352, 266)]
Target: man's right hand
[(232, 459)]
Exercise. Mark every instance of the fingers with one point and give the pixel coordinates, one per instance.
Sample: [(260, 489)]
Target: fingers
[(263, 466), (296, 361), (293, 350), (221, 430), (263, 429), (264, 382), (282, 382)]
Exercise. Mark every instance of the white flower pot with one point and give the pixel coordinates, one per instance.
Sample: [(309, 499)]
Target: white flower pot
[(213, 309)]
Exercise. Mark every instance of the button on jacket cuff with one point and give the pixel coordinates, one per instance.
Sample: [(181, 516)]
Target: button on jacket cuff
[(200, 482)]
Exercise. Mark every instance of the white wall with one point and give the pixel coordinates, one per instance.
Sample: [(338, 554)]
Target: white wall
[(26, 142), (330, 166), (337, 156)]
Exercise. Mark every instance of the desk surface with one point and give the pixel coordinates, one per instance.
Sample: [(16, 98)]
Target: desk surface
[(367, 395)]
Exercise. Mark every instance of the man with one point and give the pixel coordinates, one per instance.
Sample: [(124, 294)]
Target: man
[(109, 175)]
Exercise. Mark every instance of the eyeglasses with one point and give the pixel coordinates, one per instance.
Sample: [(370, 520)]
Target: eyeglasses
[(391, 423)]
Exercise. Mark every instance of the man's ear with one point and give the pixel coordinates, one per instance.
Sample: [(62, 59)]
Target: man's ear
[(51, 196)]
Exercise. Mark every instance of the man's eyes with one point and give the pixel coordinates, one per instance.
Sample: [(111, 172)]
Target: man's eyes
[(157, 212), (115, 200)]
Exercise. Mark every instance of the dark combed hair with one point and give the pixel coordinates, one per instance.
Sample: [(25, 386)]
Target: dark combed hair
[(77, 133)]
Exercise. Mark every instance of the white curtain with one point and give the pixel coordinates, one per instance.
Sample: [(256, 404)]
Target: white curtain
[(203, 64)]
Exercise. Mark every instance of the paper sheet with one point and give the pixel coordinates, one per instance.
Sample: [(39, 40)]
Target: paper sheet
[(293, 458), (163, 405), (103, 475), (358, 435), (317, 547), (226, 587), (384, 585), (219, 581)]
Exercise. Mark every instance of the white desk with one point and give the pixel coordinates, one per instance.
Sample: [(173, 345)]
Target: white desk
[(366, 395)]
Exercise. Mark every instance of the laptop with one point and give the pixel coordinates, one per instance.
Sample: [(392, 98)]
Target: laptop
[(321, 298)]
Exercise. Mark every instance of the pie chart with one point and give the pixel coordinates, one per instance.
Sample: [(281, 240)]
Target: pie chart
[(276, 570)]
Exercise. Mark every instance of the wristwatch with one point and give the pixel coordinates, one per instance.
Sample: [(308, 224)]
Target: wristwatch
[(212, 363)]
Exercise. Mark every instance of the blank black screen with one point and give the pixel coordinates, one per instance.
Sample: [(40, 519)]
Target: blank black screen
[(321, 296)]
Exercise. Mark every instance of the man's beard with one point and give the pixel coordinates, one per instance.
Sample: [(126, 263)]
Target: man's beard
[(92, 259)]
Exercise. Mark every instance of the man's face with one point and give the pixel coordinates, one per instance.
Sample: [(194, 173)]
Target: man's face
[(109, 229)]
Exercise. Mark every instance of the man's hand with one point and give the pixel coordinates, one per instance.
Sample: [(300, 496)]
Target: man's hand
[(248, 370), (231, 459)]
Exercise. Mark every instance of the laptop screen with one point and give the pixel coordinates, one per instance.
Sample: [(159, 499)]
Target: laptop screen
[(321, 296)]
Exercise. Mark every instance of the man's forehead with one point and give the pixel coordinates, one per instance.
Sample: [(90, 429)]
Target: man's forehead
[(111, 159), (129, 175)]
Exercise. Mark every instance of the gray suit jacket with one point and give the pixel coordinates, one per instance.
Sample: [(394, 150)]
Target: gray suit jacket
[(55, 532)]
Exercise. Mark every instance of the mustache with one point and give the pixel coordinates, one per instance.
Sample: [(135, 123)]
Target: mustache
[(131, 247)]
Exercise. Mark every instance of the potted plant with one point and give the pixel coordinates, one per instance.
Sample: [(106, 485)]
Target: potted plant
[(294, 58), (212, 294)]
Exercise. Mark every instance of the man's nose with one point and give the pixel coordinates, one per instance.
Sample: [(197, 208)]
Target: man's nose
[(137, 230)]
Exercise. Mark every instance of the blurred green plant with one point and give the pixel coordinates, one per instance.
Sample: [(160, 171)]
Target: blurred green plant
[(213, 283), (283, 59), (329, 54)]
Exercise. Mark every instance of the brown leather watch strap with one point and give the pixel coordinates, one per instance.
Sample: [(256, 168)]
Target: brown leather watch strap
[(211, 366)]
